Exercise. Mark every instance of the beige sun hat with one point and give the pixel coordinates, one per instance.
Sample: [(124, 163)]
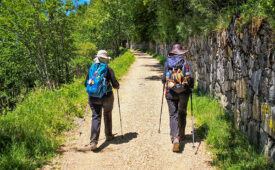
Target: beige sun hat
[(102, 56)]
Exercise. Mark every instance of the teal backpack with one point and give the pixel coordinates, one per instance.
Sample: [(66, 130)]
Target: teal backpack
[(97, 85)]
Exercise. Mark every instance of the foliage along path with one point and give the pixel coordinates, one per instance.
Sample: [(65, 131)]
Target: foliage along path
[(142, 146)]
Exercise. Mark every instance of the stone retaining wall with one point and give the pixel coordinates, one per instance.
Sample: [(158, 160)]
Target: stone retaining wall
[(238, 67)]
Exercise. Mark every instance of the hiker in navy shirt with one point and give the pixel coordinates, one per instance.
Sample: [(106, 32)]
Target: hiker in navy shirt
[(105, 102), (177, 95)]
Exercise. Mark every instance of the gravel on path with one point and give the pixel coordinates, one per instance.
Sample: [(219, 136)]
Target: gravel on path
[(142, 147)]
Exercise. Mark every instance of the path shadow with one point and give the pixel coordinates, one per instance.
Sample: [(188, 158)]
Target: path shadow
[(141, 54), (61, 151), (200, 135), (188, 139), (118, 140), (154, 65), (154, 78), (158, 70), (149, 58)]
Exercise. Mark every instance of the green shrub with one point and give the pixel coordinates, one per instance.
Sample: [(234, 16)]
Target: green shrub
[(85, 55), (122, 50), (121, 64), (112, 53), (31, 134), (175, 21)]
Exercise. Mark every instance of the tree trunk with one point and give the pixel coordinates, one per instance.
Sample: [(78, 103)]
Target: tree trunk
[(42, 54)]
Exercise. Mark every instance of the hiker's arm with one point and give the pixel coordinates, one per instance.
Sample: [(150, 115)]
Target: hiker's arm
[(112, 78), (164, 74)]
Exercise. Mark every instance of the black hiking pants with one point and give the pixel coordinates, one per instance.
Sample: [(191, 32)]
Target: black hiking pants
[(106, 103), (177, 104)]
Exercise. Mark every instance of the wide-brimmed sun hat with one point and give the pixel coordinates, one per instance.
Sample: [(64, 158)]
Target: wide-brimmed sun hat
[(102, 56), (177, 49)]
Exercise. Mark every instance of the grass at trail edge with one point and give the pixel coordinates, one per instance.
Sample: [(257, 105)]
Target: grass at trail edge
[(216, 126), (31, 134), (121, 65)]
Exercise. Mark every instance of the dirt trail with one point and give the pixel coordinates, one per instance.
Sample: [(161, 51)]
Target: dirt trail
[(142, 146)]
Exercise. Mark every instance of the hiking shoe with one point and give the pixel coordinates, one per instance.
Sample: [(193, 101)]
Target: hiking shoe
[(109, 138), (93, 146), (176, 145)]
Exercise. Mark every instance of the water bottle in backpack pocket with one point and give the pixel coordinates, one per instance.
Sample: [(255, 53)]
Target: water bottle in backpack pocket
[(97, 84)]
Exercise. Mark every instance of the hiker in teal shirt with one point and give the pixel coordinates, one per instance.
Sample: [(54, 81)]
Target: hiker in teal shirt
[(105, 102)]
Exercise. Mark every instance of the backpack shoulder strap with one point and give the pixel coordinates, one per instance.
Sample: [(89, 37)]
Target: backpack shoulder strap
[(94, 68)]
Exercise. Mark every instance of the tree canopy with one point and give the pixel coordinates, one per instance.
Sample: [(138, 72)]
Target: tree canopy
[(36, 47), (46, 43)]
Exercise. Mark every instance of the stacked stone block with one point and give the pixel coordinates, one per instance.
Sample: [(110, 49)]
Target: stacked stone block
[(237, 66)]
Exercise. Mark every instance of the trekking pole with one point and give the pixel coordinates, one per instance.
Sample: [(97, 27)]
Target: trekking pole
[(161, 107), (193, 132), (80, 133), (119, 112)]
